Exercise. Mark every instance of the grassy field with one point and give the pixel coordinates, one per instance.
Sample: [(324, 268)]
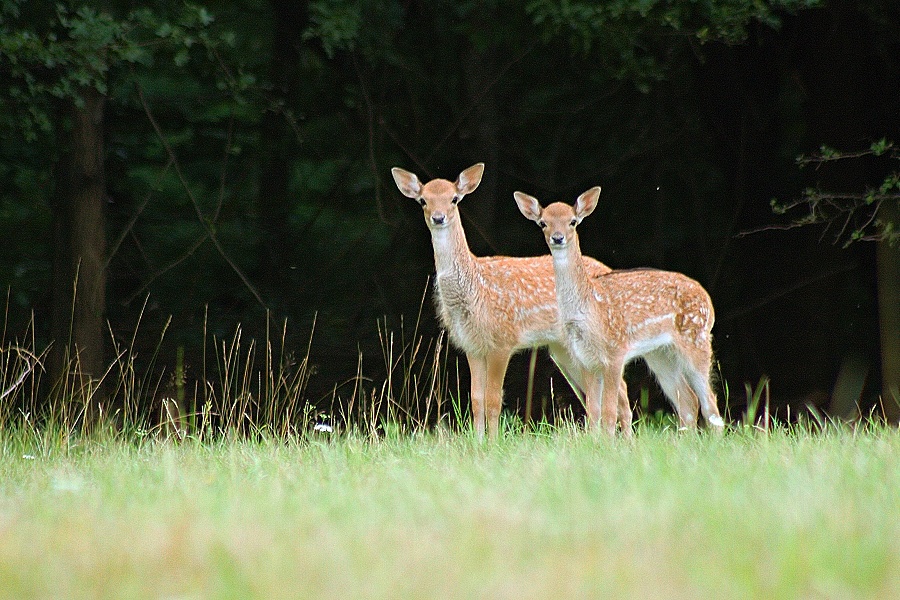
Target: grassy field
[(561, 514)]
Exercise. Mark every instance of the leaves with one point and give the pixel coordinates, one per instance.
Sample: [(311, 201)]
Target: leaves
[(335, 24), (50, 54), (621, 25), (881, 146), (850, 216)]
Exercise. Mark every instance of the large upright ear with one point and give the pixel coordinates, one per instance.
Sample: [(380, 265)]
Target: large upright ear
[(469, 179), (407, 182), (529, 206), (587, 202)]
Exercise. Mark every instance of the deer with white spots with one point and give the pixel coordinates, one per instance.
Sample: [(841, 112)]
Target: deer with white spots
[(492, 306), (663, 317)]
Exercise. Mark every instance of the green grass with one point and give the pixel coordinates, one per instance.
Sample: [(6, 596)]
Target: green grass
[(791, 514)]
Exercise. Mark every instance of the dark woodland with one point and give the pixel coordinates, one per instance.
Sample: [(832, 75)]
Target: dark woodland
[(172, 173)]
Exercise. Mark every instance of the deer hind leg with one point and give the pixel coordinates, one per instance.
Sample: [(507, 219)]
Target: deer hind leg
[(493, 390), (669, 375), (478, 374), (697, 374), (624, 409)]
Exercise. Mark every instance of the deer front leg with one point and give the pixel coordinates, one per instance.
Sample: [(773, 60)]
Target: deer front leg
[(478, 373), (609, 402), (576, 377), (592, 390), (493, 390)]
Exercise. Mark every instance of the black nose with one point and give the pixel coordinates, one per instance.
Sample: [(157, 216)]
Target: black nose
[(557, 238), (438, 218)]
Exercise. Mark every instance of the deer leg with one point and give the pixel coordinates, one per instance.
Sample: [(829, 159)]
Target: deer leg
[(689, 404), (670, 378), (493, 390), (624, 409), (592, 391), (478, 373), (697, 376), (574, 377), (609, 403), (569, 371)]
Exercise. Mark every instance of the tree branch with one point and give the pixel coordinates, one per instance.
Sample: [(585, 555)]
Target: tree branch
[(203, 221), (137, 214)]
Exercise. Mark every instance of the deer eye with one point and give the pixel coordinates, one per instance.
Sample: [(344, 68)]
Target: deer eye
[(455, 200), (542, 224), (573, 222), (422, 202)]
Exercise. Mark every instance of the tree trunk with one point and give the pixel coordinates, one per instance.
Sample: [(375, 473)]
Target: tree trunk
[(481, 67), (79, 278), (889, 316), (276, 140)]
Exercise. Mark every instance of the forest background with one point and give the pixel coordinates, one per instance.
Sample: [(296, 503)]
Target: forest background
[(171, 171)]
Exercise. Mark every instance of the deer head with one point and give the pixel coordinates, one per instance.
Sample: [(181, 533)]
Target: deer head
[(439, 198), (558, 220)]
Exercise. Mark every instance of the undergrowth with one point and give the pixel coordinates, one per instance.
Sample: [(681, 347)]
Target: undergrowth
[(245, 389)]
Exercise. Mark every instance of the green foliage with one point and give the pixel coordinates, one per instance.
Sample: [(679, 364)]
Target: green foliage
[(342, 26), (634, 34), (53, 53), (851, 216), (337, 24)]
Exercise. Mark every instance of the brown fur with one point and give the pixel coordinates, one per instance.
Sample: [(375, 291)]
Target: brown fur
[(663, 317)]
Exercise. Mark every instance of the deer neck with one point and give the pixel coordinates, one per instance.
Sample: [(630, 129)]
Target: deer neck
[(453, 260), (574, 293)]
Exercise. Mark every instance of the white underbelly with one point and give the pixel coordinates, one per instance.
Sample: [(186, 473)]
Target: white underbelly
[(642, 347)]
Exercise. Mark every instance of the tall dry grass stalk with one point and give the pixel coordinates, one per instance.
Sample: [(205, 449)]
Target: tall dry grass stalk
[(240, 388), (414, 391)]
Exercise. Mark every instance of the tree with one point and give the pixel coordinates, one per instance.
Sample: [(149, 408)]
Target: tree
[(58, 78), (252, 173), (79, 281), (871, 215), (278, 127), (59, 59)]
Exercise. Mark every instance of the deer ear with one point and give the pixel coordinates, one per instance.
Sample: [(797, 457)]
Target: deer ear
[(587, 202), (529, 206), (407, 182), (469, 179)]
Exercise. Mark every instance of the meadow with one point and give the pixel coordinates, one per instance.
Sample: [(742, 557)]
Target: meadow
[(245, 498), (543, 513)]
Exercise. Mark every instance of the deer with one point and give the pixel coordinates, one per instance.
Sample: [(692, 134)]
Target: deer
[(492, 306), (664, 317)]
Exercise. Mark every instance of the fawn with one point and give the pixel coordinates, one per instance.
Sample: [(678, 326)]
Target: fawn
[(492, 306), (663, 317)]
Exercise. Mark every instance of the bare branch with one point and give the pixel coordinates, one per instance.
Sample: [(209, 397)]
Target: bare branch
[(370, 111), (136, 215), (32, 361), (465, 115), (162, 271), (784, 291), (203, 220)]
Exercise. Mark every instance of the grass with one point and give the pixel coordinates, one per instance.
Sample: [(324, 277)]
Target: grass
[(217, 486), (557, 513)]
